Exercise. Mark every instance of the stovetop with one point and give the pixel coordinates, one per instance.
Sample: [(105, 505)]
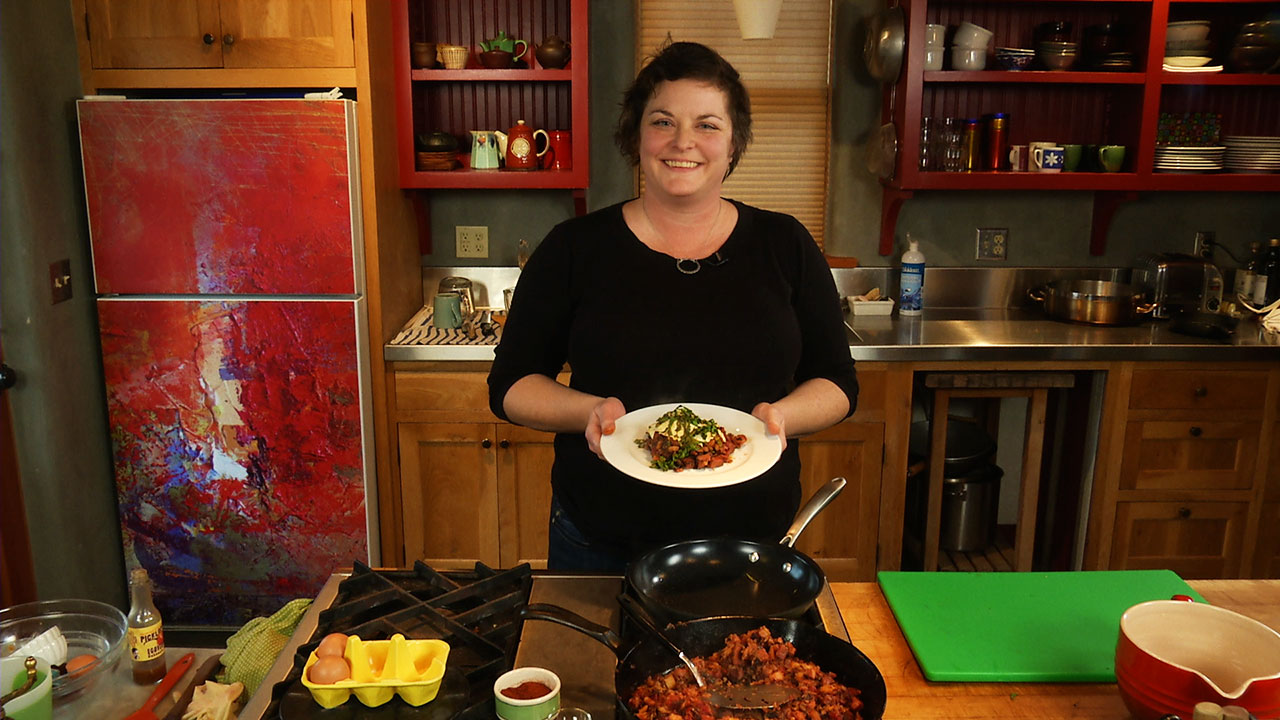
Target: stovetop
[(478, 613)]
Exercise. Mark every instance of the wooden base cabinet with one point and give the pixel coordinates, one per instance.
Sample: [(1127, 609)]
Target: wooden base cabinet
[(1181, 477), (842, 538), (472, 488), (474, 492)]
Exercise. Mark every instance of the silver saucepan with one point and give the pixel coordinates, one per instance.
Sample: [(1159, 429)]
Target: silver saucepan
[(1095, 302)]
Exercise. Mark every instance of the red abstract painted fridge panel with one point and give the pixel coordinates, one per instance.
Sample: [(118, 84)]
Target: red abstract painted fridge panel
[(221, 196), (236, 427)]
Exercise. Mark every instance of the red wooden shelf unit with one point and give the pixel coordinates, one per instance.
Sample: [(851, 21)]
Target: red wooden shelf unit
[(1077, 106), (475, 98)]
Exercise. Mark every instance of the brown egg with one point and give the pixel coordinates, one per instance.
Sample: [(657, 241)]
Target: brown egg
[(79, 664), (329, 670), (332, 644)]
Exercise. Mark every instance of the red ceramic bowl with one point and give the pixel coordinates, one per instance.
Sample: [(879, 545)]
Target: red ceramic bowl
[(1173, 654)]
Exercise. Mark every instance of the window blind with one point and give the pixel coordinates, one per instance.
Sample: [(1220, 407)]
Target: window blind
[(785, 168)]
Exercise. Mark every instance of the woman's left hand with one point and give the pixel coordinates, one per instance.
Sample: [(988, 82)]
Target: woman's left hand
[(774, 421)]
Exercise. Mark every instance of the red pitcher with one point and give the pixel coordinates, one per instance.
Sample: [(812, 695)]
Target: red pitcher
[(521, 143)]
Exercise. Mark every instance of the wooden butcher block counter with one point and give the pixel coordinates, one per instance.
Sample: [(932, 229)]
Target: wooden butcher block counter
[(873, 630)]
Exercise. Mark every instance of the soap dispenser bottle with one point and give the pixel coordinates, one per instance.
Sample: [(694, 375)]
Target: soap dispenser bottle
[(911, 280)]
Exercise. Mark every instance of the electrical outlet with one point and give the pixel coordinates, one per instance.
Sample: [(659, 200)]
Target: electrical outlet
[(993, 244), (1204, 244), (472, 241)]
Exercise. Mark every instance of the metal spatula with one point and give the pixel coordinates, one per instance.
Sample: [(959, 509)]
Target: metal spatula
[(732, 697)]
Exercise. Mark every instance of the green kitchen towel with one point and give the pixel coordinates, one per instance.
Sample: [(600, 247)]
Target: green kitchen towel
[(254, 648)]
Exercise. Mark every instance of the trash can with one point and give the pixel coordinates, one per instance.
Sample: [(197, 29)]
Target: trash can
[(969, 507), (970, 490)]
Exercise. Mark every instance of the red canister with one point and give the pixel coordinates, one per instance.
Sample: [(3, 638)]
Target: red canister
[(970, 146), (995, 139)]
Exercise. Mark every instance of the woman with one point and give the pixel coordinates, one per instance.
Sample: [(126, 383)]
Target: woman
[(676, 296)]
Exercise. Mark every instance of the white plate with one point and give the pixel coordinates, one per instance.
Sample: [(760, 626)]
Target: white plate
[(757, 454)]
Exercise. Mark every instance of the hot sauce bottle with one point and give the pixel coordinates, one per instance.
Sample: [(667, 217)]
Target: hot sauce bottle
[(146, 632)]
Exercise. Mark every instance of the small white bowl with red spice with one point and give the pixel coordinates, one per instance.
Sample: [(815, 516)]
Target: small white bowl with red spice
[(527, 693)]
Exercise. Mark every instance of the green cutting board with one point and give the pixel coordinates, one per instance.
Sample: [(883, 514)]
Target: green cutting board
[(1017, 626)]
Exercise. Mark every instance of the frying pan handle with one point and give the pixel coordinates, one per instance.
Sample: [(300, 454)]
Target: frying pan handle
[(646, 621), (820, 499), (561, 616)]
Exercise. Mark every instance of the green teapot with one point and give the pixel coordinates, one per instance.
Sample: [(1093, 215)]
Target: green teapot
[(505, 44)]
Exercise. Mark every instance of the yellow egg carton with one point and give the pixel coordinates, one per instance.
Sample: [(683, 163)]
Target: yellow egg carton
[(411, 669)]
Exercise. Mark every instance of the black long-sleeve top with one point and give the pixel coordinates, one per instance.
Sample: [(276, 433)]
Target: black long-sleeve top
[(757, 319)]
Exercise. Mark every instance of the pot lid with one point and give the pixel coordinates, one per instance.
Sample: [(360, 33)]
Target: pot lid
[(967, 445)]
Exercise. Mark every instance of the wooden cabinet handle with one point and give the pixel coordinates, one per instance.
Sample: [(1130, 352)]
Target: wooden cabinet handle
[(1201, 391), (1196, 431), (486, 443), (504, 444), (228, 39), (1184, 513), (209, 38)]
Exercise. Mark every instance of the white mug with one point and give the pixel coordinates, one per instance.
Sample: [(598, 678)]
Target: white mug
[(1048, 159)]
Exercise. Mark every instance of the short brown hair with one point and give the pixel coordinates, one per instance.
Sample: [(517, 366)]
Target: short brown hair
[(684, 61)]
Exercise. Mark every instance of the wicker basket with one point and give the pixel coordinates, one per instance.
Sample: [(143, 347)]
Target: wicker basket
[(454, 57)]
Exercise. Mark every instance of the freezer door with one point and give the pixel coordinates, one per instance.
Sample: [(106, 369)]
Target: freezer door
[(241, 443), (222, 196)]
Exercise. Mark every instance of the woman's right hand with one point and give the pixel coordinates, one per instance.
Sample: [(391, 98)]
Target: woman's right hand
[(601, 422)]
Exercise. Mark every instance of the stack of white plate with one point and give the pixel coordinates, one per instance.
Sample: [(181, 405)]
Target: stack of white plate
[(1171, 158), (1252, 153)]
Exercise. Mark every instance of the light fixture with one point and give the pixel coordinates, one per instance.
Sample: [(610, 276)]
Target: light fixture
[(757, 18)]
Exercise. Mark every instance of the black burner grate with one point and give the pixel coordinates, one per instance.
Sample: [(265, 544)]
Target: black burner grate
[(476, 611)]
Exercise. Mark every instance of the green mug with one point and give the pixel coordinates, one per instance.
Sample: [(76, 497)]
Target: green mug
[(447, 311), (1071, 155), (1111, 157)]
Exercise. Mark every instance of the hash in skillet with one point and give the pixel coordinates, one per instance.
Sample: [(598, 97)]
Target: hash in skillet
[(680, 440)]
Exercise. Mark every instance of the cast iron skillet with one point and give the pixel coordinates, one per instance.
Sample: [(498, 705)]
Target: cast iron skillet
[(649, 656), (726, 576)]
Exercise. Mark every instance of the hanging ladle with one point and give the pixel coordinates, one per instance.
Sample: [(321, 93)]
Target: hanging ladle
[(733, 697)]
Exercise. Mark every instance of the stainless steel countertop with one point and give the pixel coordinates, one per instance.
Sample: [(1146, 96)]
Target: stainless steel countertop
[(987, 334), (978, 314)]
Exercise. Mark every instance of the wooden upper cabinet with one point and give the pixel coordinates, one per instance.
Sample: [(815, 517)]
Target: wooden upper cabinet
[(150, 34), (287, 33), (154, 34)]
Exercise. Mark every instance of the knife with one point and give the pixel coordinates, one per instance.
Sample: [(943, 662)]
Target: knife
[(203, 673)]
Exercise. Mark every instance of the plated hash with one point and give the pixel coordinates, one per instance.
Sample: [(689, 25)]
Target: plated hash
[(680, 440)]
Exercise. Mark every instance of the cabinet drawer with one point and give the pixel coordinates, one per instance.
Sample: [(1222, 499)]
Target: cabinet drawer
[(1189, 455), (442, 391), (1198, 389), (1194, 539)]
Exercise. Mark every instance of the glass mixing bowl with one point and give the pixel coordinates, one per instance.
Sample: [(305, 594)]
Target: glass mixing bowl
[(90, 627)]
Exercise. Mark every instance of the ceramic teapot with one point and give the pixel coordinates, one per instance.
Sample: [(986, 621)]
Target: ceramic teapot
[(553, 53), (484, 150), (519, 146), (501, 42)]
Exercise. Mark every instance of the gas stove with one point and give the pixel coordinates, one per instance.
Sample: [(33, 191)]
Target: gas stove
[(478, 613)]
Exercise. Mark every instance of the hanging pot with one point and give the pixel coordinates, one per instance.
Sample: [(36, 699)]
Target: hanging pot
[(885, 44)]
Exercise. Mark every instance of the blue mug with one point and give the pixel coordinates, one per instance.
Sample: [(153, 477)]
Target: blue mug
[(1048, 159), (447, 311)]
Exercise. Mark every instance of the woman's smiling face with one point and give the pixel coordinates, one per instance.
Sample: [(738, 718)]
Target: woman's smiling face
[(686, 139)]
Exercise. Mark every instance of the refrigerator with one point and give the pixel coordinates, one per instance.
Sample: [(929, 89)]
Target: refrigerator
[(228, 267)]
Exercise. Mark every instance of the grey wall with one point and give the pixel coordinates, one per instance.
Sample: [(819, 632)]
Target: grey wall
[(59, 414), (1045, 228)]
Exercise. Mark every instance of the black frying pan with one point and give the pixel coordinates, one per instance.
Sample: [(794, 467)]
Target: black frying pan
[(649, 656), (726, 576)]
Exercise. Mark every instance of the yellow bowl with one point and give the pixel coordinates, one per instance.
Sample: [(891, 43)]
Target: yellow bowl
[(380, 669)]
